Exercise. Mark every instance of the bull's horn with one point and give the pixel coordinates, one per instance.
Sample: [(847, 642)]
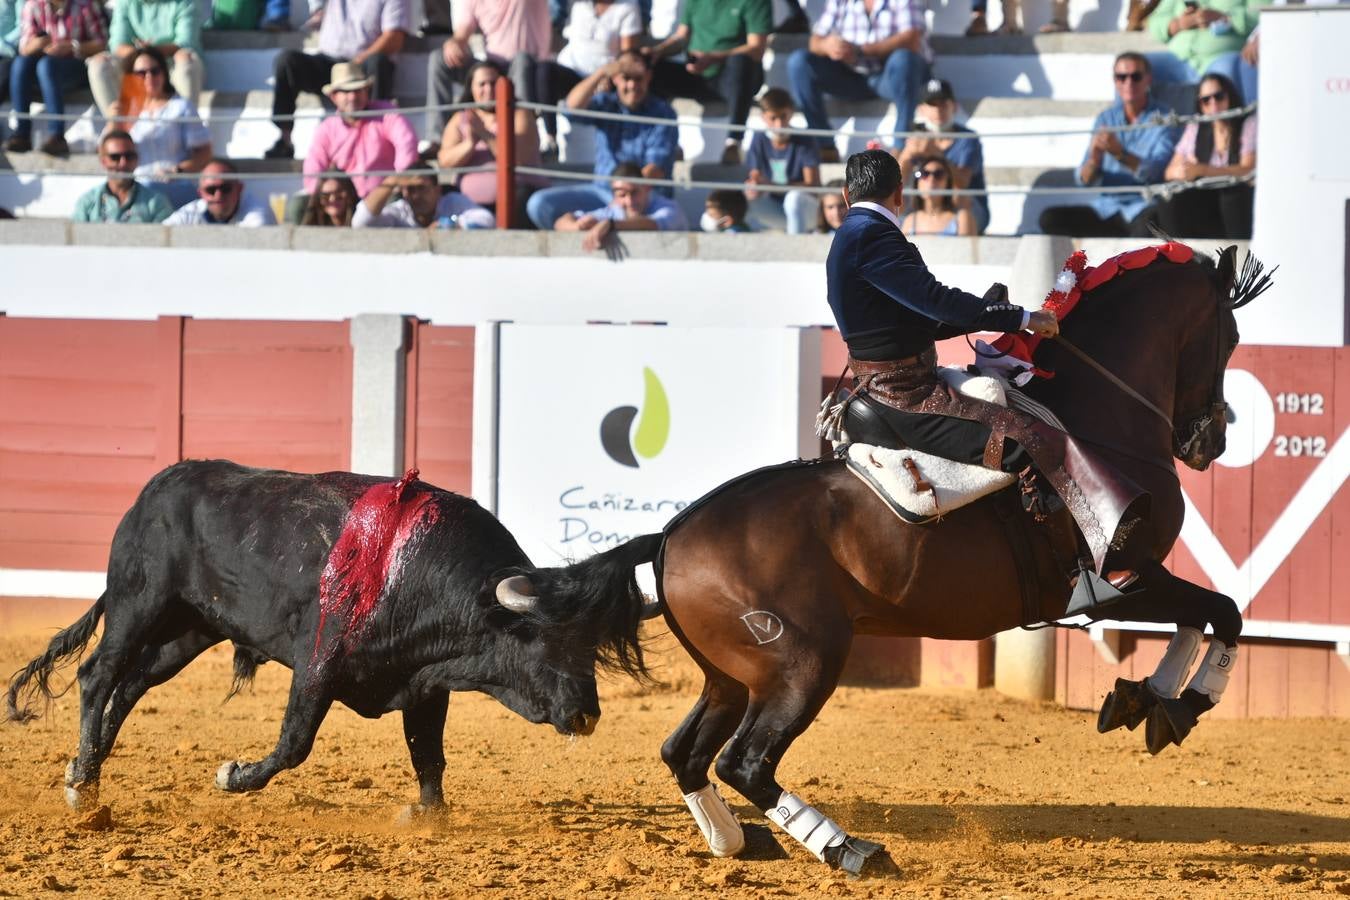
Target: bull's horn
[(516, 594), (651, 607)]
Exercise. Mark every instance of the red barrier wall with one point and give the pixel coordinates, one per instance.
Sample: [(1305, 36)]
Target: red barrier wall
[(438, 436)]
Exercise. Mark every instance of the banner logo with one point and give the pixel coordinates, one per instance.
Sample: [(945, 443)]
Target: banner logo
[(621, 441)]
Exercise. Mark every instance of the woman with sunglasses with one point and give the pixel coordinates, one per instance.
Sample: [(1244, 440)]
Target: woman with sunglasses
[(470, 139), (937, 213), (167, 128), (55, 38), (332, 204), (1207, 149)]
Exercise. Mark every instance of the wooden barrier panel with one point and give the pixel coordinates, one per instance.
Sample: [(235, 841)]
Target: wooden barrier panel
[(439, 430)]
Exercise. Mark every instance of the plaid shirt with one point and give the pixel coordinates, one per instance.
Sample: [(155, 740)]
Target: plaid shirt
[(78, 20), (849, 20)]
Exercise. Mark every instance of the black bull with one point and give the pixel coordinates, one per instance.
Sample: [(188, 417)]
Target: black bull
[(383, 595)]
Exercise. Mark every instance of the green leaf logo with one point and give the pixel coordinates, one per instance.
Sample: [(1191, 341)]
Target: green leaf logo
[(653, 428)]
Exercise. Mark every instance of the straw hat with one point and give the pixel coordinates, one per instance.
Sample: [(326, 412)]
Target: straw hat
[(347, 76)]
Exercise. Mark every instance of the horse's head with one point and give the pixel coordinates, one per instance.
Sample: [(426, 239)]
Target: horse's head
[(1199, 411)]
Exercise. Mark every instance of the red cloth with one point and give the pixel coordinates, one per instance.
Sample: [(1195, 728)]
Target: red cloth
[(1021, 345)]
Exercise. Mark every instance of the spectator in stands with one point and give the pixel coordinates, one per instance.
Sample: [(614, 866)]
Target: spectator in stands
[(936, 213), (859, 50), (651, 147), (516, 34), (173, 26), (54, 40), (1207, 149), (936, 112), (470, 139), (358, 143), (121, 198), (167, 129), (364, 34), (776, 157), (222, 200), (724, 47), (635, 207), (1012, 18), (1136, 157), (597, 31), (420, 204), (725, 210), (832, 209), (9, 41), (1203, 39), (332, 205)]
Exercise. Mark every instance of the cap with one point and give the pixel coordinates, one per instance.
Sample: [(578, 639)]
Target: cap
[(936, 91)]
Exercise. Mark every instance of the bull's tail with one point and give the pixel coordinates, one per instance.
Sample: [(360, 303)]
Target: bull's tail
[(246, 662), (34, 679), (601, 595)]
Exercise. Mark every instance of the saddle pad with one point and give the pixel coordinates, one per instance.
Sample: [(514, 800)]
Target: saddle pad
[(954, 484)]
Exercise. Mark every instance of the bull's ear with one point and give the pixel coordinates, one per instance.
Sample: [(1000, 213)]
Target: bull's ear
[(517, 594)]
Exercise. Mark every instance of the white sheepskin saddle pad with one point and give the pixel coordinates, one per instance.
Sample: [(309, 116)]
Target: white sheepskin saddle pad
[(930, 486)]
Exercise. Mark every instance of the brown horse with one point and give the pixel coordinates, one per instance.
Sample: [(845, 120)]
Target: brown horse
[(766, 580)]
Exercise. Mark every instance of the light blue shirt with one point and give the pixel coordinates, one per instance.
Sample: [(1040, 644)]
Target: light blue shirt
[(1153, 147), (9, 27), (665, 213)]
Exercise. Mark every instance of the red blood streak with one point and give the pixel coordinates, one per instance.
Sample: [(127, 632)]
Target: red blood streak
[(367, 557)]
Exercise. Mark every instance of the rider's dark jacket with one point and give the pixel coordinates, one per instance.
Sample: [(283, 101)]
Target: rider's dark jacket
[(886, 302)]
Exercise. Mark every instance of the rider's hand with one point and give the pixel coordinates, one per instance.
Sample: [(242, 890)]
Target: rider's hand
[(1044, 323)]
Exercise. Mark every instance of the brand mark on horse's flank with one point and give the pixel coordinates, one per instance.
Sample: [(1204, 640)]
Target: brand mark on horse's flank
[(765, 627)]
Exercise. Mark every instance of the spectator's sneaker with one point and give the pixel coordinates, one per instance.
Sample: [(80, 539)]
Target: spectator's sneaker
[(17, 143), (275, 25), (56, 146), (548, 148), (731, 155), (282, 149)]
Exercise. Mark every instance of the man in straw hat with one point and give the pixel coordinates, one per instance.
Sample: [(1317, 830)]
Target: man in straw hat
[(359, 138), (364, 33)]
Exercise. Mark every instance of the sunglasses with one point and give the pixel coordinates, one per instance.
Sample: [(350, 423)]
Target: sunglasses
[(212, 190), (332, 196), (129, 156), (146, 73), (930, 173), (1213, 98), (1134, 77)]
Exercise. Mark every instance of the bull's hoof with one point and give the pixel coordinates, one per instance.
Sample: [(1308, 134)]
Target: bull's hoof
[(1168, 723), (225, 773), (858, 857), (419, 814), (80, 795), (1127, 705)]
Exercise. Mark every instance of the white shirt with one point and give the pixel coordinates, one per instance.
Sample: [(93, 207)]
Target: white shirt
[(593, 41), (163, 144), (399, 214), (895, 220), (251, 213)]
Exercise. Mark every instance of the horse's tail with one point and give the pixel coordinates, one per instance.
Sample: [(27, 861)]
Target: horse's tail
[(34, 679), (602, 591)]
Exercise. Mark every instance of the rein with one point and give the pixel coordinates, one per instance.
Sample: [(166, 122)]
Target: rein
[(1114, 379)]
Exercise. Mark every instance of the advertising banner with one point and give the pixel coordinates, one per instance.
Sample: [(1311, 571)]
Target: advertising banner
[(604, 432)]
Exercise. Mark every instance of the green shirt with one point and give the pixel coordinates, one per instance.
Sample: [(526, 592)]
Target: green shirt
[(145, 206), (724, 24), (1201, 46), (157, 22)]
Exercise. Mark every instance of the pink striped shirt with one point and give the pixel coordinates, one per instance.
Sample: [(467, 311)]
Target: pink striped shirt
[(375, 144), (75, 20)]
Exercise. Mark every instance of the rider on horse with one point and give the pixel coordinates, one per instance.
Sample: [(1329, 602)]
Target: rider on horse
[(891, 310)]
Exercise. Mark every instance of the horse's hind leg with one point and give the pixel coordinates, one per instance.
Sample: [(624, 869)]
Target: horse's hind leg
[(1170, 711), (690, 750), (309, 701)]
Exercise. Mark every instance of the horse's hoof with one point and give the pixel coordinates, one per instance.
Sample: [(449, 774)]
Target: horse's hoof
[(1168, 723), (855, 855), (1128, 705), (224, 773)]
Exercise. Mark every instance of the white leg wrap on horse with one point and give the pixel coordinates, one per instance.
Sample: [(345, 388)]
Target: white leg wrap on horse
[(1176, 663), (815, 830), (1211, 679), (716, 820)]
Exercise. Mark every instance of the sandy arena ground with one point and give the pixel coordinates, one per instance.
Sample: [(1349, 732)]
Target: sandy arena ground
[(973, 794)]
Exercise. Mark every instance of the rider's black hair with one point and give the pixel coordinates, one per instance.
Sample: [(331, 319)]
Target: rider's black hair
[(872, 175)]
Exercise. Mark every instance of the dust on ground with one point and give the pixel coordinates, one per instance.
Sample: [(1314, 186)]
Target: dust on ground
[(974, 795)]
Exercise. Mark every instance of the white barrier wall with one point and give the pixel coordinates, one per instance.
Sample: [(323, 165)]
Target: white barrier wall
[(1303, 181)]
